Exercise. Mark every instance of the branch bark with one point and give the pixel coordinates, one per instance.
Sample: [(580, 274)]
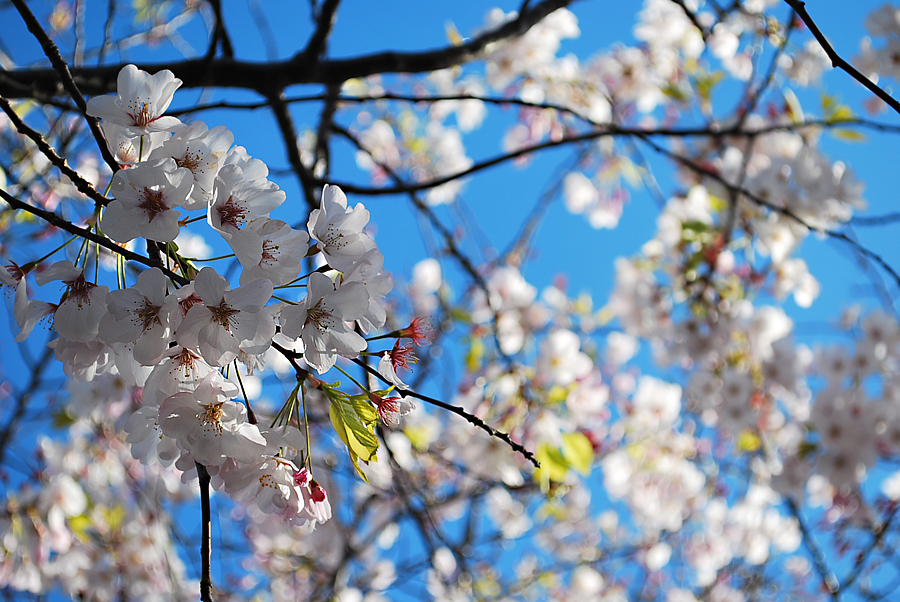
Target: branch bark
[(266, 77)]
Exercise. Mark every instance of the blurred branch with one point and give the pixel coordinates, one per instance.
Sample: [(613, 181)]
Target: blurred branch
[(829, 581), (80, 183), (289, 134), (324, 24), (220, 35), (62, 73), (37, 376), (268, 76)]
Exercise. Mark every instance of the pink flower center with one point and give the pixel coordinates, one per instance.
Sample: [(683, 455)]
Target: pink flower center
[(222, 314), (402, 356), (188, 302), (154, 202), (320, 316), (148, 314), (143, 116), (231, 213), (190, 161), (301, 478), (80, 291), (318, 494)]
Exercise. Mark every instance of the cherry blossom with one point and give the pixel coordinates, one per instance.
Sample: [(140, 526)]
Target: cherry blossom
[(146, 197), (227, 320), (321, 321), (140, 103)]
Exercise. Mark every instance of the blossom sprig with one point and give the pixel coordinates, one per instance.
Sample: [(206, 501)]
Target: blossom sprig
[(175, 336)]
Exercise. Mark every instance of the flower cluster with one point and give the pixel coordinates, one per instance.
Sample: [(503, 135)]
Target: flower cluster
[(175, 334)]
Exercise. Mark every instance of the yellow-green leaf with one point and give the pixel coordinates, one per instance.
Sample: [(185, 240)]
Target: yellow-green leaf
[(849, 135), (553, 466), (354, 419), (475, 354), (578, 452)]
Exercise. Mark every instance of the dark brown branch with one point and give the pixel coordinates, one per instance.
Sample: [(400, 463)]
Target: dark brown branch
[(471, 418), (267, 76), (880, 532), (37, 376), (876, 220), (219, 36), (836, 61), (205, 539), (324, 23), (83, 186), (64, 224), (61, 72), (289, 135), (693, 18), (597, 133)]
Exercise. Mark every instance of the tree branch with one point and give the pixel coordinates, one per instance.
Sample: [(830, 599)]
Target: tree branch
[(324, 23), (836, 61), (267, 76), (64, 224), (62, 73), (459, 412), (205, 539), (83, 186)]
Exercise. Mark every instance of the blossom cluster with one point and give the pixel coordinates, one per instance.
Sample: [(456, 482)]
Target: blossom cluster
[(174, 335)]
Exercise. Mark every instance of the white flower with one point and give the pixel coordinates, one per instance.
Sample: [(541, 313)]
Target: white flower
[(369, 271), (78, 315), (200, 150), (561, 360), (182, 370), (142, 315), (272, 250), (238, 200), (321, 320), (140, 103), (209, 426), (146, 197), (339, 230), (227, 319), (270, 483), (127, 148)]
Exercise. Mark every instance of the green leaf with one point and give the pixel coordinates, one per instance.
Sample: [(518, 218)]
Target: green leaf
[(578, 452), (849, 135), (833, 110), (554, 466), (475, 354), (354, 420)]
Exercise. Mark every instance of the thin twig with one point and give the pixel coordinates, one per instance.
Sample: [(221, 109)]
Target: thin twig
[(64, 224), (829, 581), (62, 71), (699, 169), (836, 60), (83, 186), (459, 412)]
